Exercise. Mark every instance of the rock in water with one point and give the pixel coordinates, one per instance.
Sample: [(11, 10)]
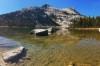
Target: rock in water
[(71, 64), (12, 53)]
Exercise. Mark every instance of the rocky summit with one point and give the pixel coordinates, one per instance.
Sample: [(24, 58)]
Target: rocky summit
[(45, 15)]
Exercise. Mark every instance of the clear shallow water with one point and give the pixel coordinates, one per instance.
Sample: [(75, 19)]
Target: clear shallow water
[(60, 48), (8, 43)]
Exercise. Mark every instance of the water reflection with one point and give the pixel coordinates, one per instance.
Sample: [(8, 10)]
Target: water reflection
[(63, 32), (88, 41), (63, 46), (8, 43)]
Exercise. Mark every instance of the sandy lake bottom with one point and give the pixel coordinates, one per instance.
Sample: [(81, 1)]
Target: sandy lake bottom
[(60, 49)]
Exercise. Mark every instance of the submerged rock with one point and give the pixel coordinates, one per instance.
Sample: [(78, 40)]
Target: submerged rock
[(7, 56), (71, 64), (27, 58)]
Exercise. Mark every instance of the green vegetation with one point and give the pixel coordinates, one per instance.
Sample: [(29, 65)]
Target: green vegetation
[(86, 22)]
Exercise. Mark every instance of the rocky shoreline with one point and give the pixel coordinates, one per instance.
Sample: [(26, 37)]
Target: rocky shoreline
[(7, 56), (85, 28), (10, 55)]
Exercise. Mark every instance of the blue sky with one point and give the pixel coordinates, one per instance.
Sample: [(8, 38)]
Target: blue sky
[(85, 7)]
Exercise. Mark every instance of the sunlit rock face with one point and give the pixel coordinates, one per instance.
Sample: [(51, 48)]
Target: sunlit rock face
[(62, 16), (70, 10), (45, 15)]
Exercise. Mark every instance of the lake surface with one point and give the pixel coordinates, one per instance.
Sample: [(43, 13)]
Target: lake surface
[(59, 49), (8, 43)]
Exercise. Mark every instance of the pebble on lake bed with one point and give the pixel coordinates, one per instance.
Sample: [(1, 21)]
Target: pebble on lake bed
[(27, 58), (71, 64)]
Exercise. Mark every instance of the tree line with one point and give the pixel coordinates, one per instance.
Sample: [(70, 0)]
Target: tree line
[(86, 22)]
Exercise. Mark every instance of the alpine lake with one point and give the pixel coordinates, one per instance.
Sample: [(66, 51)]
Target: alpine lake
[(62, 48)]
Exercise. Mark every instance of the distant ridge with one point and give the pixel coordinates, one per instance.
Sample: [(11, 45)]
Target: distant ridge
[(45, 15)]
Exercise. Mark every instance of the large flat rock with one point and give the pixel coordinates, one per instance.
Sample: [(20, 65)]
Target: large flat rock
[(11, 54), (9, 49)]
